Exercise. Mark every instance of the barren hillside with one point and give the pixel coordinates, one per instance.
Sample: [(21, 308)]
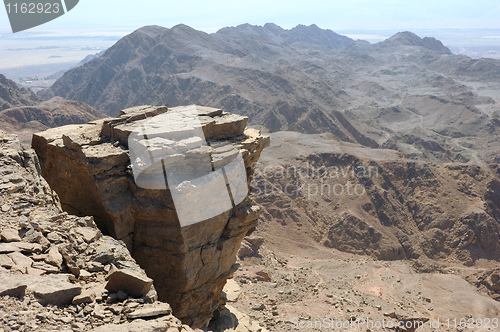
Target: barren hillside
[(26, 120)]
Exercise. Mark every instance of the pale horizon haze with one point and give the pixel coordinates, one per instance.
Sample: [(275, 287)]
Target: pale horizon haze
[(103, 16), (467, 27)]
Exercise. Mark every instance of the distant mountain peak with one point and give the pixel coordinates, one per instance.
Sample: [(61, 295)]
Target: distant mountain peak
[(151, 30), (182, 27), (273, 26), (407, 38), (311, 34), (311, 27)]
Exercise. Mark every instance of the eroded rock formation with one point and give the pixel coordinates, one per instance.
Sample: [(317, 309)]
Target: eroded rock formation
[(89, 167)]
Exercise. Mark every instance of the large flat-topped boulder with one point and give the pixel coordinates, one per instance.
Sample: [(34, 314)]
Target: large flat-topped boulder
[(216, 123), (171, 185)]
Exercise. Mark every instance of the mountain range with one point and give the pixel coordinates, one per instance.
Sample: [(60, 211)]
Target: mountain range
[(407, 93)]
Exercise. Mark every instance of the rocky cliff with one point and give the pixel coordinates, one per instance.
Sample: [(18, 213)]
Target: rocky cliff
[(89, 166)]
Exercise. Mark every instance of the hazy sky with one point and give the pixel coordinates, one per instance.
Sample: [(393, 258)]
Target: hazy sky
[(125, 15)]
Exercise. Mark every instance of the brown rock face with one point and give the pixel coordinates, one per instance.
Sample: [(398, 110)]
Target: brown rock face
[(89, 167)]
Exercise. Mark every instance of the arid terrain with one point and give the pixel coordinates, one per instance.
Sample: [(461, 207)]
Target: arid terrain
[(24, 113), (411, 245), (379, 195)]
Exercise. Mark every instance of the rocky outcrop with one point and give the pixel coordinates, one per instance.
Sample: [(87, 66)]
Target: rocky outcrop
[(250, 246), (488, 280), (89, 166), (58, 271)]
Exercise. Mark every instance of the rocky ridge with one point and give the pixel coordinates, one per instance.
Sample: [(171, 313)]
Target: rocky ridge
[(401, 39), (89, 167), (25, 120), (58, 271), (12, 96), (300, 34)]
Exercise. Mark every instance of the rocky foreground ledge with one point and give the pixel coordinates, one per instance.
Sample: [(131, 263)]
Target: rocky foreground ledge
[(89, 167), (58, 272)]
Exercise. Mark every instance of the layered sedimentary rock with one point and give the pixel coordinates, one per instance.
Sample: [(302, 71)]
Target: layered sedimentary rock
[(90, 167)]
